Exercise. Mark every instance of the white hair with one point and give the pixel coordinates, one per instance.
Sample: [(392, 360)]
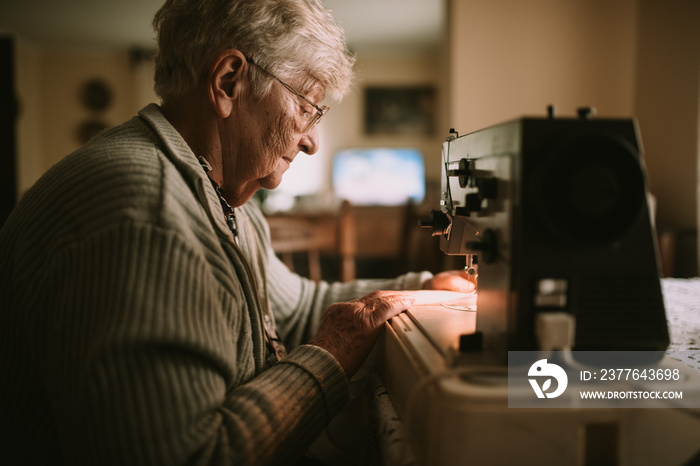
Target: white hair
[(293, 39)]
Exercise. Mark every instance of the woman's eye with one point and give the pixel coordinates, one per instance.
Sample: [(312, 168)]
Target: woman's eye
[(307, 111)]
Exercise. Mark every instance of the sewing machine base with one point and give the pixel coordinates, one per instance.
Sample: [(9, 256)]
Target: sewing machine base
[(448, 420)]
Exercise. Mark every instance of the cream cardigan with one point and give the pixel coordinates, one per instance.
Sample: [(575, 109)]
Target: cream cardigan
[(131, 323)]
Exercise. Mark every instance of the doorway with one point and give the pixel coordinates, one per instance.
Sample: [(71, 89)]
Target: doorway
[(8, 119)]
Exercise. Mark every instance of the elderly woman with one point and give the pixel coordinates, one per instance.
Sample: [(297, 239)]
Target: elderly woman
[(144, 318)]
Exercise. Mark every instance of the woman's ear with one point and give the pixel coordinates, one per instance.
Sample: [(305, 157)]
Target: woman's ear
[(225, 79)]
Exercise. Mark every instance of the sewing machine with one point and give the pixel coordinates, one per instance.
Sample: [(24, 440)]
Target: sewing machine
[(551, 215)]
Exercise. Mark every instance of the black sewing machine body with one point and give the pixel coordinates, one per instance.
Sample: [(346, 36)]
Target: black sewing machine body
[(557, 212)]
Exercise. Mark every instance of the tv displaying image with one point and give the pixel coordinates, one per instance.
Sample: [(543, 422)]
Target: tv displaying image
[(379, 176)]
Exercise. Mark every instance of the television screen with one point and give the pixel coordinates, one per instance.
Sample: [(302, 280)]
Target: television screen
[(380, 176)]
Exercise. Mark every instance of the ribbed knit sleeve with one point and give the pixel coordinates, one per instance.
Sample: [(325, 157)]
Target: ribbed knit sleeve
[(298, 303)]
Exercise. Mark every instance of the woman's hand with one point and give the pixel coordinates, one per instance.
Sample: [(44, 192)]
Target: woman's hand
[(452, 280), (349, 330)]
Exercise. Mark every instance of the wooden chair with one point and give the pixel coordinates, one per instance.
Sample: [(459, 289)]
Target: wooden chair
[(313, 234)]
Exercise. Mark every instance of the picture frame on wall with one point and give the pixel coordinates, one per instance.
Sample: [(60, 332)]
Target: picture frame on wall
[(400, 110)]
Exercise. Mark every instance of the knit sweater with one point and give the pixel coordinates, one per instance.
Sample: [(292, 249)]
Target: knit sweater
[(131, 323)]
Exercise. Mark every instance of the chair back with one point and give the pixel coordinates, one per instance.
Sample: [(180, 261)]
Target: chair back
[(313, 234)]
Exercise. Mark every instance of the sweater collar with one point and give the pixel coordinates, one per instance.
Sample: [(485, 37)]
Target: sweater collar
[(177, 150)]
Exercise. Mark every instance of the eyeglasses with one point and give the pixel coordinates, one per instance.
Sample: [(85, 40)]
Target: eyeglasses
[(312, 119)]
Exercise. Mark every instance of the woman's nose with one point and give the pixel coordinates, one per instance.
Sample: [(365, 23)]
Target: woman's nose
[(309, 141)]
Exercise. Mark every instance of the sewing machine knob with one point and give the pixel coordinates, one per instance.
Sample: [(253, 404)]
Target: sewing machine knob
[(437, 220), (463, 173), (488, 187), (585, 113), (472, 202)]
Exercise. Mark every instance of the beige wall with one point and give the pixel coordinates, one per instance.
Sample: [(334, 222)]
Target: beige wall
[(512, 58), (62, 77), (49, 83), (667, 96), (668, 108)]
